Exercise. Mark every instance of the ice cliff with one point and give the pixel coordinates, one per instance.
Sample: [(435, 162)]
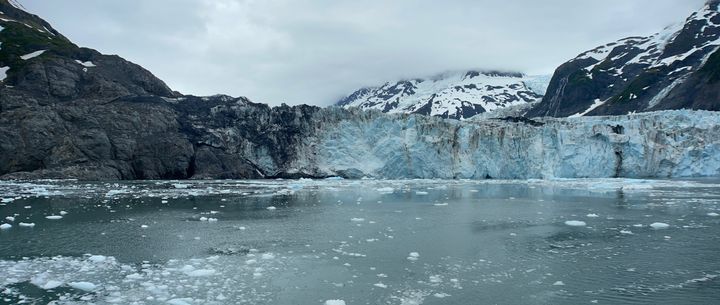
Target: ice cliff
[(660, 144)]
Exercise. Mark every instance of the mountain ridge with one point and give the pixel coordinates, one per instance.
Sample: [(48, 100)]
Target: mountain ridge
[(666, 70), (454, 94)]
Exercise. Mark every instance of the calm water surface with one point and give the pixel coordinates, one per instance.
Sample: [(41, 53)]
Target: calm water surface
[(363, 242)]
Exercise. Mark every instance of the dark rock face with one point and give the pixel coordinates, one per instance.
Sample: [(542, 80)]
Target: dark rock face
[(672, 69), (64, 71), (71, 112), (151, 137)]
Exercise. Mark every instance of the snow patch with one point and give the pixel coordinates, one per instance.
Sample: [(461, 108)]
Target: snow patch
[(86, 64), (32, 55), (592, 107), (3, 73)]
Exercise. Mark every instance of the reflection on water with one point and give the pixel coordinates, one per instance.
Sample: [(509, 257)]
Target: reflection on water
[(364, 242)]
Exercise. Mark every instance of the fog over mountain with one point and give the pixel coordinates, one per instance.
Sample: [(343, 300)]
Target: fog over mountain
[(316, 52)]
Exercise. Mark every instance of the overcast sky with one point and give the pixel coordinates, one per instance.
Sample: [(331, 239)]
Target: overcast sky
[(316, 51)]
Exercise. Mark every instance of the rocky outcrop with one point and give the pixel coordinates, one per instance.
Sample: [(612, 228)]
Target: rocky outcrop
[(677, 68), (151, 137)]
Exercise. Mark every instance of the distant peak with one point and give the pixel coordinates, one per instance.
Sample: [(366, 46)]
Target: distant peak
[(12, 7), (14, 3), (712, 4)]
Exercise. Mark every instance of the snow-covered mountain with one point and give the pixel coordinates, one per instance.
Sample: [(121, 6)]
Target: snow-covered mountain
[(456, 95), (676, 68)]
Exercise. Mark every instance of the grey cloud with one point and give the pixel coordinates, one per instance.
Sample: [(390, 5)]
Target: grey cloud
[(315, 51)]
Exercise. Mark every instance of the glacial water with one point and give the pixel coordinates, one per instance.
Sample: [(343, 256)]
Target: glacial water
[(600, 241)]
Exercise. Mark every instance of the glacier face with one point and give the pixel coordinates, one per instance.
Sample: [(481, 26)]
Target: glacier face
[(660, 144)]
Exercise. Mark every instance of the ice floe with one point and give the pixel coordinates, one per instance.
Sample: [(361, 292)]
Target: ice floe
[(659, 226), (575, 223), (86, 286)]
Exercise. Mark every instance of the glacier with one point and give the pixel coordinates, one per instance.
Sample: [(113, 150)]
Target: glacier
[(679, 143)]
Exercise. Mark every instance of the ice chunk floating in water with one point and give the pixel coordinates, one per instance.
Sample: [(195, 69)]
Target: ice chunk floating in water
[(86, 286), (575, 223), (659, 226)]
